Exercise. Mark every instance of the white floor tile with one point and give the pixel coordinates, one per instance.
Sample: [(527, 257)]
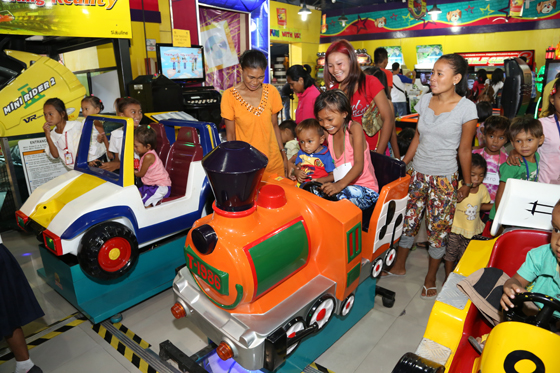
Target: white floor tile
[(401, 337), (94, 361), (350, 350)]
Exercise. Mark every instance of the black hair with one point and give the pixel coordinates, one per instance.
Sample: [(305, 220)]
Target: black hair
[(289, 124), (146, 136), (404, 138), (481, 75), (297, 71), (379, 55), (122, 103), (478, 161), (335, 100), (381, 76), (459, 66), (58, 105), (253, 59), (395, 66), (310, 124), (497, 76), (483, 110), (551, 109), (496, 123), (95, 102), (526, 124), (524, 58)]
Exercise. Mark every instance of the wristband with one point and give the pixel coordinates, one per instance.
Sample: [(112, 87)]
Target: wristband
[(470, 185)]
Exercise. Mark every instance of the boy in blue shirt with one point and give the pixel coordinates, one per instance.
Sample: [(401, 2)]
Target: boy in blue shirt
[(313, 161), (539, 273)]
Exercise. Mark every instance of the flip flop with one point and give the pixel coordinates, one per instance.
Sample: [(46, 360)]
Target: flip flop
[(391, 274), (426, 297)]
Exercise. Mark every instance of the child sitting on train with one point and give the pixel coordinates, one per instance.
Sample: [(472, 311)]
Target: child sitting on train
[(313, 161), (526, 134), (157, 184), (289, 137), (354, 176)]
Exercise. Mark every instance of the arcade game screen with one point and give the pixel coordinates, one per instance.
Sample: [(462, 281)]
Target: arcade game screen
[(552, 68), (181, 63)]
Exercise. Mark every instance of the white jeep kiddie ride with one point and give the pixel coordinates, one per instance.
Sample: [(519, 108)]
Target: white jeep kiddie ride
[(99, 216)]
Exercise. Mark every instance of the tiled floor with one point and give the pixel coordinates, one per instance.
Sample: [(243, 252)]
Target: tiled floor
[(374, 345)]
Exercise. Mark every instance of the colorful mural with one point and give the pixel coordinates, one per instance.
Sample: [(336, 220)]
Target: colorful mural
[(456, 18)]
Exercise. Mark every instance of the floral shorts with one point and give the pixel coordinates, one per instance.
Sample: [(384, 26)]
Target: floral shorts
[(436, 197)]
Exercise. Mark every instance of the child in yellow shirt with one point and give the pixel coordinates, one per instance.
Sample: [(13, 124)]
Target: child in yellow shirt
[(467, 222)]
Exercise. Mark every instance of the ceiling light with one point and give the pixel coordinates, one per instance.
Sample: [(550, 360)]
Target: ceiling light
[(434, 12), (343, 19), (304, 12)]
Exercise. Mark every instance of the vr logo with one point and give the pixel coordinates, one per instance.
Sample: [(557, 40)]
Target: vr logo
[(30, 118)]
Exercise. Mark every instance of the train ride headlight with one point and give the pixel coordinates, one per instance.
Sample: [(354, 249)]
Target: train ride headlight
[(224, 351), (204, 239)]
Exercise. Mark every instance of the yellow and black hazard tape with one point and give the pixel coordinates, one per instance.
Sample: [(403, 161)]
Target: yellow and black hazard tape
[(122, 348), (314, 368), (34, 342)]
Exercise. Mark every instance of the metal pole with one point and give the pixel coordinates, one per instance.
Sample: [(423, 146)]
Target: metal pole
[(122, 58)]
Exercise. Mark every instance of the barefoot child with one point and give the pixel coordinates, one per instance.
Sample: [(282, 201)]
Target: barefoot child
[(467, 222), (157, 184), (354, 177)]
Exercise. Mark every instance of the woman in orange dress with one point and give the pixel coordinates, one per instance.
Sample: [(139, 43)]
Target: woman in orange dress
[(250, 111)]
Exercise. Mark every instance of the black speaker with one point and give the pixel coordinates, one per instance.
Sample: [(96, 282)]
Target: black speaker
[(156, 93), (516, 94)]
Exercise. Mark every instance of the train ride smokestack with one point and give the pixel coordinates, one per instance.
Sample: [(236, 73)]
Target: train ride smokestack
[(234, 169)]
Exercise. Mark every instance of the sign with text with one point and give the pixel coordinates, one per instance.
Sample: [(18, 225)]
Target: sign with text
[(181, 38), (282, 16), (37, 166), (77, 18), (287, 34), (496, 58)]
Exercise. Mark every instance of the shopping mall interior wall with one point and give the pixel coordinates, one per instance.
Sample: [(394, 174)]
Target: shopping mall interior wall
[(303, 50), (105, 57), (537, 40)]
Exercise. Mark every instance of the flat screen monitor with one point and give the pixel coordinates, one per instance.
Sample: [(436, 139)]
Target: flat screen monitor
[(424, 75), (552, 68), (184, 65)]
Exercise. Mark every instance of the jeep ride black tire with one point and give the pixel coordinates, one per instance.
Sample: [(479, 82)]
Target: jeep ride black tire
[(108, 251)]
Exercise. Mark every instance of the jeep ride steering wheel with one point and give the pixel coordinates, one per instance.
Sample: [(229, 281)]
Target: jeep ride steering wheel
[(315, 188), (543, 317)]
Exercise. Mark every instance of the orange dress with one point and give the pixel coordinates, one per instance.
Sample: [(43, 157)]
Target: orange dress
[(254, 125)]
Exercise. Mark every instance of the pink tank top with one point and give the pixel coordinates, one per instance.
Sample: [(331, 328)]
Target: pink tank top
[(367, 178), (156, 174)]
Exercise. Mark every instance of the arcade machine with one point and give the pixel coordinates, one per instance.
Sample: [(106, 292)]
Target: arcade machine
[(516, 94), (320, 67), (185, 66), (420, 86), (364, 59)]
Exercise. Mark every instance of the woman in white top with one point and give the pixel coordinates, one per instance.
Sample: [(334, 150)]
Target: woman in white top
[(497, 82), (62, 141)]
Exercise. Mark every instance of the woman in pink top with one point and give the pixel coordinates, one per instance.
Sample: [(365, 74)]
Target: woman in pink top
[(157, 184), (300, 81), (354, 177)]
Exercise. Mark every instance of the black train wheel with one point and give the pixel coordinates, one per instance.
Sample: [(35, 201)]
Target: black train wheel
[(108, 251)]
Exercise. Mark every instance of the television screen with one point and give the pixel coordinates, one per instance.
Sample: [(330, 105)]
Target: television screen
[(181, 63), (552, 68)]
